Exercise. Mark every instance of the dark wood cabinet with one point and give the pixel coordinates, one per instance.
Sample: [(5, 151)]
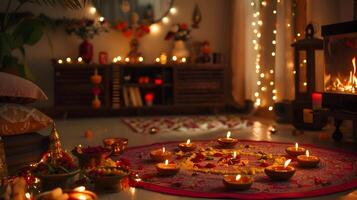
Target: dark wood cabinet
[(185, 87)]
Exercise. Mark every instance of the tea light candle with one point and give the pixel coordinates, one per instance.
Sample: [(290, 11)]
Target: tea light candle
[(237, 182), (295, 150), (167, 169), (280, 172), (188, 146), (163, 58), (79, 59), (160, 155), (68, 60), (316, 100), (80, 193), (227, 141), (307, 160)]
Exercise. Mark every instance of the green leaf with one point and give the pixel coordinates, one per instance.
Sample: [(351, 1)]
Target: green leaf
[(5, 44), (29, 30)]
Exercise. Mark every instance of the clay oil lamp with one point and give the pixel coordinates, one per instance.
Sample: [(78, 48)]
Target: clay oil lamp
[(167, 169), (227, 142), (238, 182), (80, 193), (160, 155), (280, 172), (188, 146), (307, 160), (116, 145), (295, 150)]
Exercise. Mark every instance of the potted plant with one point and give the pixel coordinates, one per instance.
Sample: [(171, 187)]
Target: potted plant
[(18, 30)]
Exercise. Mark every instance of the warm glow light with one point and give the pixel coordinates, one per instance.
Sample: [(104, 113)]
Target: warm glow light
[(80, 189), (60, 61), (92, 10), (256, 94), (132, 190), (294, 72), (305, 84), (274, 31), (271, 71), (287, 162), (254, 41), (154, 28), (157, 60), (271, 83), (273, 42), (115, 60), (28, 195), (140, 59), (188, 141), (163, 149), (259, 35), (296, 146), (238, 177), (298, 34), (288, 25), (174, 58), (166, 162), (228, 134), (183, 60), (173, 10), (101, 19), (307, 153), (118, 58), (274, 11), (262, 75), (79, 59), (253, 23), (165, 20), (264, 3), (304, 61), (68, 60), (259, 82), (273, 53), (235, 155), (260, 22), (274, 91), (255, 31), (274, 98), (263, 88), (270, 108), (127, 59), (252, 4)]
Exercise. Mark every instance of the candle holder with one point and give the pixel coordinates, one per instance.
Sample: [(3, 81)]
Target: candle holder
[(295, 150), (160, 155), (238, 182), (227, 142), (307, 160), (167, 169), (80, 193), (116, 145), (280, 172), (188, 146)]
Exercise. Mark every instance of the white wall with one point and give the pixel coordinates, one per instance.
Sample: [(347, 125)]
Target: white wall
[(215, 27)]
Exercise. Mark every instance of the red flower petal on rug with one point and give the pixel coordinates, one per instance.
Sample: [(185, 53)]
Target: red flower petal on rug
[(200, 156), (210, 165), (218, 155), (198, 166), (264, 164)]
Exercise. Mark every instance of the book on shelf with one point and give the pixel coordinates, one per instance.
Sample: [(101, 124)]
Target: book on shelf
[(132, 96)]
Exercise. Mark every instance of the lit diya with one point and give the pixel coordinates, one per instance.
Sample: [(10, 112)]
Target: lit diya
[(227, 142), (295, 150), (80, 193), (188, 146), (280, 172), (237, 182), (307, 160), (160, 155), (167, 169)]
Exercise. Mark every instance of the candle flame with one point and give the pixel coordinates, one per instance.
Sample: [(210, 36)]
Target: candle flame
[(82, 197), (287, 162), (166, 162), (163, 149), (307, 153), (238, 177), (188, 141), (228, 134), (80, 189), (28, 195), (235, 154), (296, 146)]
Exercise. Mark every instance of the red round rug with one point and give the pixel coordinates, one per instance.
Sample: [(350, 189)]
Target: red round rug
[(201, 173)]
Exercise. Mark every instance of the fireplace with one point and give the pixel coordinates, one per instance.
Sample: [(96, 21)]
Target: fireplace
[(340, 73)]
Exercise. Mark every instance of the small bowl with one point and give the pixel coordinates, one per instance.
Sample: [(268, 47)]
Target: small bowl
[(52, 181), (308, 162), (227, 142), (116, 145), (230, 183), (158, 156), (293, 152), (186, 148), (279, 173), (167, 171)]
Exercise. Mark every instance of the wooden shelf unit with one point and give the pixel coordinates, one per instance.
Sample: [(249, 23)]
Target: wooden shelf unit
[(184, 86)]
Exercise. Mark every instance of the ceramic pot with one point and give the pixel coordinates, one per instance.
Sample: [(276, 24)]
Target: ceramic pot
[(180, 49)]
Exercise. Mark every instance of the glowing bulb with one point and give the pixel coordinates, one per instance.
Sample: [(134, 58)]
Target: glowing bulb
[(274, 98), (163, 149), (257, 71), (304, 61), (68, 60), (274, 12), (79, 59), (259, 35), (298, 34), (28, 195), (174, 58), (257, 66), (235, 155), (307, 153), (296, 146), (253, 24), (157, 60), (165, 20), (274, 31), (257, 13), (118, 58), (273, 53), (260, 22), (101, 19), (271, 83), (173, 10), (154, 28), (287, 162), (183, 60), (60, 61), (273, 42), (294, 72), (263, 89), (80, 189), (270, 108), (259, 82), (92, 10), (255, 31), (256, 94), (288, 25), (254, 41), (305, 84), (140, 59), (228, 134), (127, 59), (115, 60), (274, 91), (262, 75), (166, 162), (264, 3), (252, 4), (256, 47), (188, 141)]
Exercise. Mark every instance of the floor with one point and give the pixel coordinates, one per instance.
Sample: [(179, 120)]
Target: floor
[(72, 134)]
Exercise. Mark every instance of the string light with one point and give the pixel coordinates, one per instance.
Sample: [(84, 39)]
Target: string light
[(165, 20), (154, 28), (68, 60), (60, 61), (173, 10), (101, 19), (92, 10)]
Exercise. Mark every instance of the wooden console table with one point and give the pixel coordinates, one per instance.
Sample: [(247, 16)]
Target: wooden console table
[(186, 88)]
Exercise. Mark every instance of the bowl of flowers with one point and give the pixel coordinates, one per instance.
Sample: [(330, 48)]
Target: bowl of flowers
[(91, 156), (110, 175), (55, 172)]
